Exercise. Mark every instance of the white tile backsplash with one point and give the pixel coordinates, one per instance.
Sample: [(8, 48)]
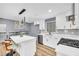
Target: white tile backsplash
[(69, 31)]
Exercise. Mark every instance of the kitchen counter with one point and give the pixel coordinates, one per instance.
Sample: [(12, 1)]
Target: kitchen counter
[(64, 50), (26, 45), (61, 50), (17, 39)]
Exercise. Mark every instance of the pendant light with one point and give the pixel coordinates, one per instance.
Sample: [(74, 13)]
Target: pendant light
[(22, 11)]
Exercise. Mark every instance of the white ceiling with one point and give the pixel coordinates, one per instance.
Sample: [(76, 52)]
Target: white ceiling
[(33, 10)]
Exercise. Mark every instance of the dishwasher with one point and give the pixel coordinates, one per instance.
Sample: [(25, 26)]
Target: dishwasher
[(40, 39)]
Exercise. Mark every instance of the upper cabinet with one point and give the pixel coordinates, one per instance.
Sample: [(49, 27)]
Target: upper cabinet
[(42, 24), (63, 22), (36, 22), (60, 21)]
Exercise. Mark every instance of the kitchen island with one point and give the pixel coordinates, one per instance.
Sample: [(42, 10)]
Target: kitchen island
[(26, 45)]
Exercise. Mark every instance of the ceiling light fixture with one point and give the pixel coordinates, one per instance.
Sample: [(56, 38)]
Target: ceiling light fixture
[(49, 10)]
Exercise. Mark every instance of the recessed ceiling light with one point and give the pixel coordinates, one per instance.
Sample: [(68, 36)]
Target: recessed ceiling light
[(49, 10)]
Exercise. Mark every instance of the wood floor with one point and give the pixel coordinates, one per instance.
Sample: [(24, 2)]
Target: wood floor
[(43, 50)]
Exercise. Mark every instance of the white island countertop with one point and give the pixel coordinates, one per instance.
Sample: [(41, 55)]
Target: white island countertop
[(26, 45), (18, 39)]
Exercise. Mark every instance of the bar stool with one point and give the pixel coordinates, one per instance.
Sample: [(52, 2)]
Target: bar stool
[(7, 44)]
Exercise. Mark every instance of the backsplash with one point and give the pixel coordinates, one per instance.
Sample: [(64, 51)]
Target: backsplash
[(2, 36), (11, 25), (68, 31), (11, 30)]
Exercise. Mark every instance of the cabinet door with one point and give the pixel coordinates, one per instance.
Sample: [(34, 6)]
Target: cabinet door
[(42, 24), (36, 22), (45, 40), (60, 21)]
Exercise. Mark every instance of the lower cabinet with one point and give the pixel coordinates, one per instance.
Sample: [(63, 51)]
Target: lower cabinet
[(27, 48), (49, 41)]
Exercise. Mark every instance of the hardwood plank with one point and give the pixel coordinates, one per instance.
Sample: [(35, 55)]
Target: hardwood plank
[(43, 50), (49, 52), (46, 47)]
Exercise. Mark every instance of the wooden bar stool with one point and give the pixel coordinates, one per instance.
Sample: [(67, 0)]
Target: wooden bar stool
[(7, 44)]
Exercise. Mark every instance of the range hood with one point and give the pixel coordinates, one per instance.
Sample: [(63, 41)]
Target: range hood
[(72, 16)]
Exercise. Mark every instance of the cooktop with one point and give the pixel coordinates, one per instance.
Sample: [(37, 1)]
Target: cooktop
[(69, 42)]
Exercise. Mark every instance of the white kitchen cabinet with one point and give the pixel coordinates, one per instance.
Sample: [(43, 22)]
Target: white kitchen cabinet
[(76, 26), (45, 39), (26, 45), (50, 41), (61, 20), (36, 22), (42, 24)]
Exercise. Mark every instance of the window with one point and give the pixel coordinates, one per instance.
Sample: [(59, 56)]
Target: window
[(51, 25)]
